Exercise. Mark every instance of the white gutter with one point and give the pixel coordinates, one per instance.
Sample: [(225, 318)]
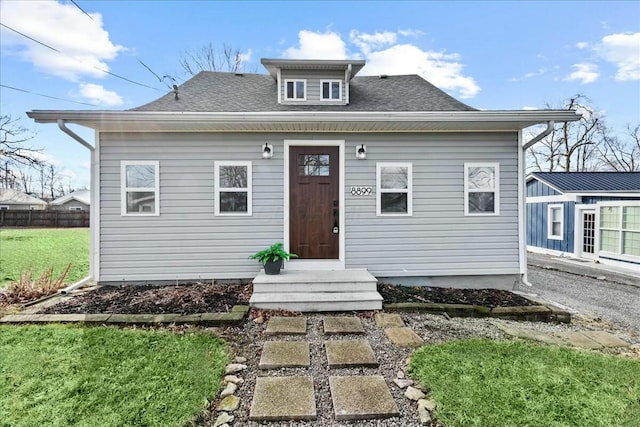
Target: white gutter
[(63, 127), (547, 131)]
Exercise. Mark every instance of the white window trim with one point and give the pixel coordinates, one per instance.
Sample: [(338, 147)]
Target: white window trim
[(248, 190), (607, 254), (124, 189), (408, 190), (304, 95), (5, 207), (339, 99), (496, 190), (550, 234), (75, 208)]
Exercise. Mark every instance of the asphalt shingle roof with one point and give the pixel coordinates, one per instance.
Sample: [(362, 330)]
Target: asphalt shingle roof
[(9, 196), (228, 92), (592, 181)]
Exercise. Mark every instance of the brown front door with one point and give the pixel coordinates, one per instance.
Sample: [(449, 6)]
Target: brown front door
[(314, 206)]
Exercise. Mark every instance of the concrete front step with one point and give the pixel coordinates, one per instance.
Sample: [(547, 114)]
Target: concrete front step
[(307, 291)]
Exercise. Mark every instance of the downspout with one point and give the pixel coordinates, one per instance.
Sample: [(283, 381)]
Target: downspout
[(63, 127), (523, 205)]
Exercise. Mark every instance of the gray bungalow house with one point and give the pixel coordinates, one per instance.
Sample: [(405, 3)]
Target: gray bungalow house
[(590, 215), (17, 200), (79, 200), (381, 174)]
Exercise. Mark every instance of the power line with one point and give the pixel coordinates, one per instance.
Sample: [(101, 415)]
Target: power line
[(79, 60), (47, 96), (81, 9)]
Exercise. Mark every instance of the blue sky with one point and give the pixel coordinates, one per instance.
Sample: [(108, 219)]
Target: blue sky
[(491, 55)]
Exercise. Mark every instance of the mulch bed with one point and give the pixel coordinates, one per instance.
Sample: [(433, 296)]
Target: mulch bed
[(423, 294), (207, 298)]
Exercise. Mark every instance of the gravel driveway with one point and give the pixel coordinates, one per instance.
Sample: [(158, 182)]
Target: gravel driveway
[(611, 301)]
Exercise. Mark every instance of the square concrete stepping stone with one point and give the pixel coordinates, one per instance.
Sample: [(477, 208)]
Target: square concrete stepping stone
[(403, 337), (342, 325), (284, 354), (283, 399), (605, 339), (389, 320), (287, 326), (577, 339), (361, 398), (350, 353)]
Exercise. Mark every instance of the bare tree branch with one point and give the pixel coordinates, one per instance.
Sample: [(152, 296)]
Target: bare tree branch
[(208, 59)]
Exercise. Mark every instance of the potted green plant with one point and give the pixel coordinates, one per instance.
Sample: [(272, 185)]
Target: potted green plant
[(272, 258)]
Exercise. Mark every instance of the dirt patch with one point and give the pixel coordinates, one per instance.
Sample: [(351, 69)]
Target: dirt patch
[(207, 298), (486, 297), (184, 299)]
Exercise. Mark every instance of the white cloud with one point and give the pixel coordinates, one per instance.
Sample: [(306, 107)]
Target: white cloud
[(582, 45), (623, 50), (85, 44), (538, 72), (368, 42), (97, 94), (328, 45), (246, 57), (441, 69), (411, 33), (585, 73), (384, 55)]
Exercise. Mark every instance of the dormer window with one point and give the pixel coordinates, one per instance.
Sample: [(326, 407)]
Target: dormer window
[(331, 90), (295, 90)]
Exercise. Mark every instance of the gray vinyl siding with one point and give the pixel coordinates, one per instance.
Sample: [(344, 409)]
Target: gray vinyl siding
[(313, 79), (186, 241)]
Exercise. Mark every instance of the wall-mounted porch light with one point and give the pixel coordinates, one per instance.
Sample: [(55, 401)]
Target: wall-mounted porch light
[(361, 152), (267, 151)]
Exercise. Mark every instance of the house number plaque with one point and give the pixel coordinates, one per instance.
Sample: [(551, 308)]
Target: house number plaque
[(360, 191)]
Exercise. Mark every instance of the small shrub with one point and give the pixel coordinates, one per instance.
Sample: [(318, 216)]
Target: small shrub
[(27, 289)]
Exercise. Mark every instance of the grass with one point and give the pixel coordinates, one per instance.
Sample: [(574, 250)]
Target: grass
[(38, 249), (60, 375), (510, 383)]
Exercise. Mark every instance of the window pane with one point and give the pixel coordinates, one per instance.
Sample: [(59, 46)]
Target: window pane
[(609, 241), (393, 202), (233, 177), (233, 201), (140, 176), (631, 217), (300, 90), (555, 229), (141, 201), (482, 202), (631, 243), (325, 90), (610, 217), (335, 90), (555, 215), (394, 177), (481, 178), (313, 164), (289, 90)]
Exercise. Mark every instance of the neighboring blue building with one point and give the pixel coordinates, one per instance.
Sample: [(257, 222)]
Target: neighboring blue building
[(594, 215)]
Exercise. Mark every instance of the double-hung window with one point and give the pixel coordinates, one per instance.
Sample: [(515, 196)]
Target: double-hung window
[(295, 90), (233, 188), (481, 189), (394, 189), (555, 222), (140, 184), (620, 230), (331, 90)]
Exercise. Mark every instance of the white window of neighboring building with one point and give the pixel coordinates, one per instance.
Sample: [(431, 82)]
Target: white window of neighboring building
[(75, 208), (233, 188), (555, 222), (481, 188), (394, 189), (140, 187), (620, 230), (330, 90), (295, 90), (4, 208)]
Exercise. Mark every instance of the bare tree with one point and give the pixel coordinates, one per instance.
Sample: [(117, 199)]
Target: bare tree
[(622, 155), (26, 180), (572, 146), (12, 144), (52, 181), (208, 59)]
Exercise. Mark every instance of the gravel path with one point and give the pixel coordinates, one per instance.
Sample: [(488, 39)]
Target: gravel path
[(614, 302), (247, 341)]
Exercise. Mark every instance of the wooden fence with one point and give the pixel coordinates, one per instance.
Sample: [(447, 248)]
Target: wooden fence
[(48, 218)]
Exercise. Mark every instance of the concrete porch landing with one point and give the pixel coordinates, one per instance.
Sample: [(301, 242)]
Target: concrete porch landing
[(307, 291)]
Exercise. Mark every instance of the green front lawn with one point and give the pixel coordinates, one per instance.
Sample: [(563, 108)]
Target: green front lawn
[(510, 383), (63, 375), (38, 249)]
